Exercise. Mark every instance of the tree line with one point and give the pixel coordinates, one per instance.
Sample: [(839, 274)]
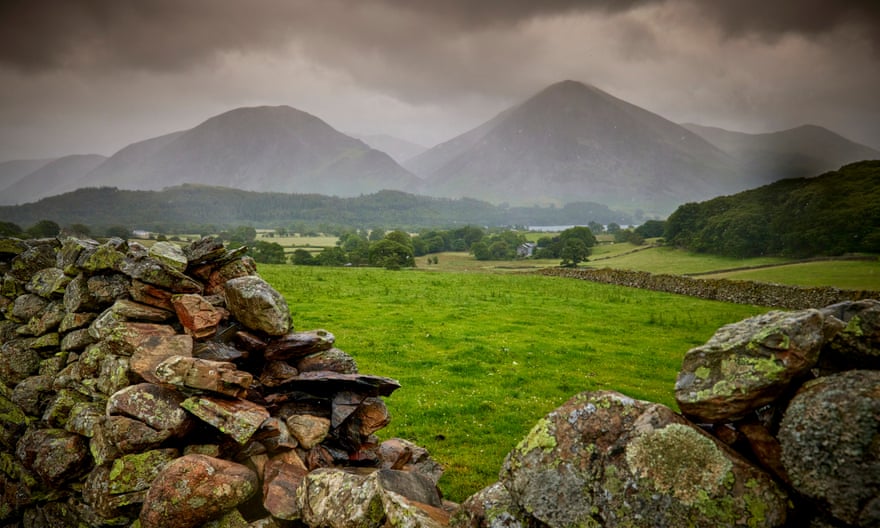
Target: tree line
[(204, 209), (832, 214)]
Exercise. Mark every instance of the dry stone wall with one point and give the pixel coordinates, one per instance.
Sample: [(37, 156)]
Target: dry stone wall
[(165, 387), (740, 292)]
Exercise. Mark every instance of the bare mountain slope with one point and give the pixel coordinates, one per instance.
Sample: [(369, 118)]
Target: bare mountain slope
[(14, 170), (574, 142), (277, 149), (798, 152), (50, 179)]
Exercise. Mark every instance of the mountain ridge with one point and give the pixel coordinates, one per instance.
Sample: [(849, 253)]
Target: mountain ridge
[(573, 141), (796, 152)]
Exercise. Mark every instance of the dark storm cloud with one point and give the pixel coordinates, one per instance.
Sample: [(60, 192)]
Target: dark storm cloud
[(169, 35)]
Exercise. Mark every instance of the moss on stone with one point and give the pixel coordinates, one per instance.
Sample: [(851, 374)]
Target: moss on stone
[(540, 437), (678, 460)]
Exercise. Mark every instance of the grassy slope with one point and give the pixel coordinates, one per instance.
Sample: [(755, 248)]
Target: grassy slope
[(482, 356), (852, 275), (676, 261)]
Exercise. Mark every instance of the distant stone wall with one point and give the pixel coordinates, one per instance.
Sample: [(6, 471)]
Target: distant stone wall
[(734, 291)]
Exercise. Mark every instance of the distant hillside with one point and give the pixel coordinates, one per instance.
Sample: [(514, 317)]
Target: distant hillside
[(575, 142), (399, 149), (51, 178), (835, 213), (794, 153), (13, 171), (278, 149), (212, 208)]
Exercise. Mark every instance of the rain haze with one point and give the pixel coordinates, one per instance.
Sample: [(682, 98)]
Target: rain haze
[(82, 77)]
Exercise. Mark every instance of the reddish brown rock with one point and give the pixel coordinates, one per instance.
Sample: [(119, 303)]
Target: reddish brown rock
[(765, 447), (198, 317), (280, 482), (154, 349), (151, 295), (194, 489), (132, 310)]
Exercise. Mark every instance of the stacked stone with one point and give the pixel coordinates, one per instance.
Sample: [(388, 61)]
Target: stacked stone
[(165, 387), (783, 296), (779, 426)]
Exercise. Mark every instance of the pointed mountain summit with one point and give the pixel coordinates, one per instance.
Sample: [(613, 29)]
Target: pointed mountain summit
[(574, 142), (278, 149), (799, 152)]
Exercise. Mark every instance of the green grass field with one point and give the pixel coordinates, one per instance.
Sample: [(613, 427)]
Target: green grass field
[(482, 356), (675, 261), (851, 275)]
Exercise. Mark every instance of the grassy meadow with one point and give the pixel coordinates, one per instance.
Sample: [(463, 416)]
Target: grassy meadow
[(481, 356), (845, 274)]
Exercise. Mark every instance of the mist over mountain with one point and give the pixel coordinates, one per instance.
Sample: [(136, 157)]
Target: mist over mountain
[(49, 178), (798, 152), (278, 149), (574, 142), (13, 171), (569, 143), (399, 149)]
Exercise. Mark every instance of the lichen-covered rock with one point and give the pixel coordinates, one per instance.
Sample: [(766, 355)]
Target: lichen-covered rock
[(156, 406), (856, 345), (48, 283), (53, 454), (491, 507), (830, 436), (333, 359), (47, 320), (308, 430), (26, 306), (299, 344), (105, 257), (18, 361), (604, 459), (135, 472), (40, 254), (31, 394), (201, 374), (398, 453), (152, 271), (12, 422), (195, 489), (238, 418), (169, 254), (748, 364), (257, 305), (338, 499)]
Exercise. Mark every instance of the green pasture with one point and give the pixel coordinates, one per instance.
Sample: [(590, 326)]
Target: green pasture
[(674, 261), (482, 356), (845, 274)]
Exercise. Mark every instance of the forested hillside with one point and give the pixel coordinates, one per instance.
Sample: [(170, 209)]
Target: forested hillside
[(193, 208), (835, 213)]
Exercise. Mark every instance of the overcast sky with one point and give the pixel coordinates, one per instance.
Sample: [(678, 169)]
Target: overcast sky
[(81, 76)]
